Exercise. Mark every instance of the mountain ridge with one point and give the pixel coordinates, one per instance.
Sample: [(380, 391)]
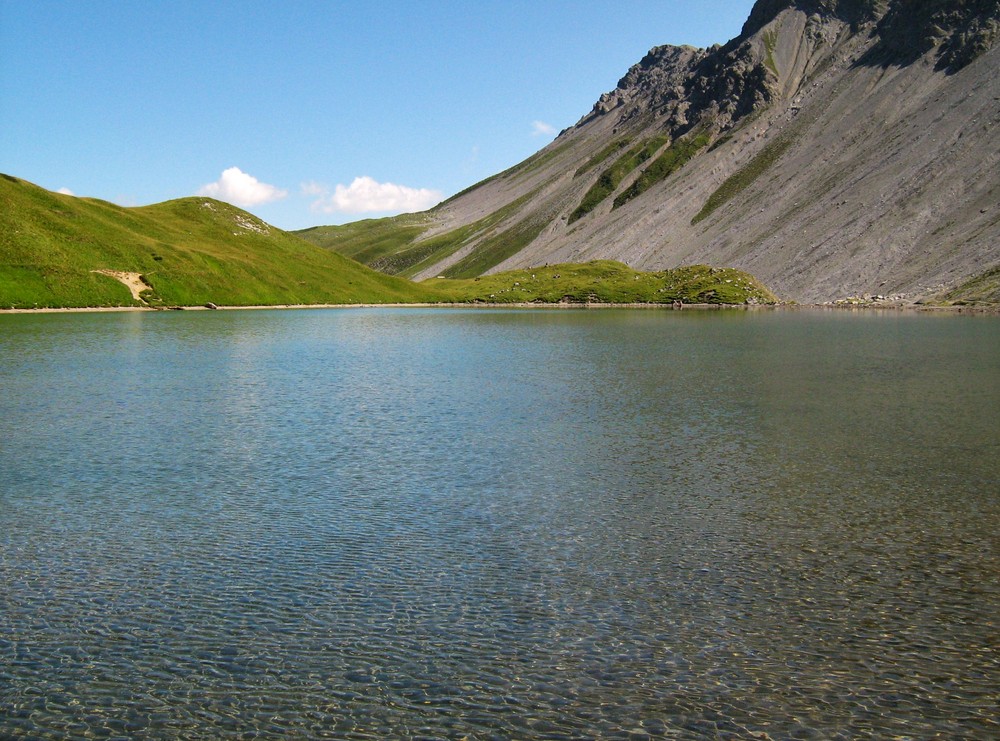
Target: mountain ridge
[(845, 146)]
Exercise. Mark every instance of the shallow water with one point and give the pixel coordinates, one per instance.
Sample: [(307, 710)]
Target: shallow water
[(499, 523)]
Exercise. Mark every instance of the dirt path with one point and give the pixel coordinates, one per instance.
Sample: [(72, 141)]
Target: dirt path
[(132, 281)]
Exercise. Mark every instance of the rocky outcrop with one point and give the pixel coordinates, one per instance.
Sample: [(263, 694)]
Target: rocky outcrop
[(853, 12), (730, 83), (959, 31), (678, 88), (652, 88)]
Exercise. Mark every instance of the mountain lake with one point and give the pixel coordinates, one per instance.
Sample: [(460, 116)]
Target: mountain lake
[(499, 523)]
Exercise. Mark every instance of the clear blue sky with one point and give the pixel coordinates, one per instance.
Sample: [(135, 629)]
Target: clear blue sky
[(306, 112)]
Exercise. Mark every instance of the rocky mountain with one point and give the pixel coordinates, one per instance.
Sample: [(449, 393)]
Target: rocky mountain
[(834, 148)]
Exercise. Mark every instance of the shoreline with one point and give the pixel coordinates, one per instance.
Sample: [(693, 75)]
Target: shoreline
[(896, 307)]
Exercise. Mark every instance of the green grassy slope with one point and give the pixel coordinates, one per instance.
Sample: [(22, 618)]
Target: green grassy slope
[(612, 177), (498, 247), (606, 281), (381, 244), (393, 245), (191, 251), (390, 245), (670, 161), (980, 290), (745, 176)]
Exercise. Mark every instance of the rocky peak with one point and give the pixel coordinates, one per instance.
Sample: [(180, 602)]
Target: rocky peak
[(854, 12), (651, 84), (960, 30), (675, 88)]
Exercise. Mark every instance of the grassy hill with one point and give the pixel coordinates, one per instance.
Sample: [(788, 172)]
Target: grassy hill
[(607, 281), (189, 251)]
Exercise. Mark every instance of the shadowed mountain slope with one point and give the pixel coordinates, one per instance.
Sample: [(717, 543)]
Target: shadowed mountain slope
[(834, 148)]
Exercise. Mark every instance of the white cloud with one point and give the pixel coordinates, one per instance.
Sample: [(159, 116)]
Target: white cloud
[(366, 194), (312, 188), (66, 192), (240, 189), (540, 128)]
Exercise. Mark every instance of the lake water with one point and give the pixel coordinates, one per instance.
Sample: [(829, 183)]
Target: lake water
[(549, 524)]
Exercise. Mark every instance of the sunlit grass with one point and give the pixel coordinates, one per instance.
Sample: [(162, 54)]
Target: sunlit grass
[(192, 251), (606, 281)]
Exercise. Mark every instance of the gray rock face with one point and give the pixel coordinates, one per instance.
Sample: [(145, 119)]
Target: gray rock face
[(652, 87), (853, 148), (960, 31), (679, 88), (854, 12)]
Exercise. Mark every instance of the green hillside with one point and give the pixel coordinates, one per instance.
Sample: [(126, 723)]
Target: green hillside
[(980, 290), (190, 252), (389, 245), (607, 281), (396, 245)]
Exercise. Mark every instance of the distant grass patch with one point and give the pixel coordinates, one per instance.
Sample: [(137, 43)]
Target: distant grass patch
[(615, 146), (538, 160), (393, 245), (606, 281), (491, 251), (387, 245), (745, 176), (980, 290), (670, 161), (770, 44), (494, 250), (612, 177)]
